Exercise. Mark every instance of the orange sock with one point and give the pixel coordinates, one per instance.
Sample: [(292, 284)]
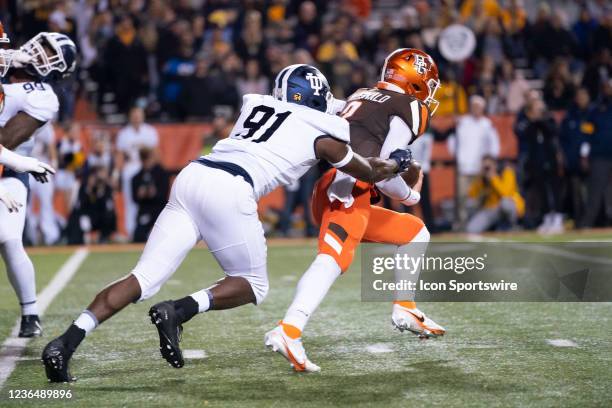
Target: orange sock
[(291, 331), (406, 304)]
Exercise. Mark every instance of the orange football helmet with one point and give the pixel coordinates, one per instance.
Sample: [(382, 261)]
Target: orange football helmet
[(415, 72)]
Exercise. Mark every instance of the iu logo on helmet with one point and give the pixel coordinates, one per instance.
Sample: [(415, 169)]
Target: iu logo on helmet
[(315, 82), (419, 64)]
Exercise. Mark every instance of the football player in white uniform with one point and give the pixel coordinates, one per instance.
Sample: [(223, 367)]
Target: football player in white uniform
[(275, 140), (29, 103)]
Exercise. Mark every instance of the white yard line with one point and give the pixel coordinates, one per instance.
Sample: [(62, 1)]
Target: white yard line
[(194, 354), (13, 346), (561, 343)]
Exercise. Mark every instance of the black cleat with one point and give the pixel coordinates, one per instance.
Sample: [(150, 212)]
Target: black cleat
[(55, 357), (163, 316), (30, 326)]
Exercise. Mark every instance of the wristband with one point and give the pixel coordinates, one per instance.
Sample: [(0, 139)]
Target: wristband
[(413, 198), (345, 160)]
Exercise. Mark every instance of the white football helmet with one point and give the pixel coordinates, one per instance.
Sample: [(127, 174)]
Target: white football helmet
[(53, 56)]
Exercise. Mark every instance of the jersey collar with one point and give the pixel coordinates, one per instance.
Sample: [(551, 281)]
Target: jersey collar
[(389, 86)]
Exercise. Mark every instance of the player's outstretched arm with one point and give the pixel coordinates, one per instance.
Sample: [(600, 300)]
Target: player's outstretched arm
[(340, 155), (18, 130), (23, 164)]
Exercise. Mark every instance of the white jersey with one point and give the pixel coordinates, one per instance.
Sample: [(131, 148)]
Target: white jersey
[(36, 99), (274, 140)]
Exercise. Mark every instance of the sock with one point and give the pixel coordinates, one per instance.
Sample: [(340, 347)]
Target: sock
[(414, 249), (73, 337), (30, 308), (193, 304), (310, 291), (20, 271), (86, 321)]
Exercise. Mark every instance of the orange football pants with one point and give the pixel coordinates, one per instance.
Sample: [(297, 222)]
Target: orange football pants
[(342, 229)]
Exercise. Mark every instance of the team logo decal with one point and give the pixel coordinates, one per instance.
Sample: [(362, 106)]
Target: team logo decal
[(315, 82), (419, 64), (297, 96)]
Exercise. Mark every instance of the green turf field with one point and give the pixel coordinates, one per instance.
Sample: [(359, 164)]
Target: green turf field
[(493, 354)]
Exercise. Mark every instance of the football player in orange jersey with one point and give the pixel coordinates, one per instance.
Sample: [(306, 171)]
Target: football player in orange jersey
[(391, 115)]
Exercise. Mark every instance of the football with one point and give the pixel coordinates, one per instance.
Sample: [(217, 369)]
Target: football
[(411, 176)]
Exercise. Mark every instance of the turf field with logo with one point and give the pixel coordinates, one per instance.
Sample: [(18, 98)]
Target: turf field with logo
[(494, 354)]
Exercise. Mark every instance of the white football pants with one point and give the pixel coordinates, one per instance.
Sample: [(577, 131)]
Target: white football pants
[(218, 208)]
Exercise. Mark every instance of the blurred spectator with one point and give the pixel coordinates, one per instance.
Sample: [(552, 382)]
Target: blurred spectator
[(583, 30), (597, 73), (125, 61), (559, 89), (600, 160), (298, 195), (150, 188), (451, 95), (130, 140), (308, 26), (70, 161), (253, 82), (542, 168), (94, 210), (573, 137), (474, 137), (496, 198), (45, 221)]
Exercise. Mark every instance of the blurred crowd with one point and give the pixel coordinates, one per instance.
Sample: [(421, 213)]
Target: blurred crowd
[(191, 60)]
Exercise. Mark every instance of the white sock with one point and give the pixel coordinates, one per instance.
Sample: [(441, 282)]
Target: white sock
[(86, 321), (20, 272), (311, 289), (415, 249), (202, 299)]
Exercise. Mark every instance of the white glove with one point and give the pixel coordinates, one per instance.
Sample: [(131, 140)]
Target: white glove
[(8, 200), (23, 164), (20, 59)]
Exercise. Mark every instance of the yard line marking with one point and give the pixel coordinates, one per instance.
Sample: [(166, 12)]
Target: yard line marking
[(378, 348), (194, 354), (561, 343), (13, 346)]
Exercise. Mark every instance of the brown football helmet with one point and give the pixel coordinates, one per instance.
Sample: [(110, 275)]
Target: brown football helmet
[(415, 72)]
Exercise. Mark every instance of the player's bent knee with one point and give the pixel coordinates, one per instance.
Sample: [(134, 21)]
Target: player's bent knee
[(342, 259), (260, 287), (423, 235)]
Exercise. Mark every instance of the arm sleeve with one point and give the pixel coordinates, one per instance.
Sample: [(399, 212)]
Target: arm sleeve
[(42, 106), (397, 189), (398, 137)]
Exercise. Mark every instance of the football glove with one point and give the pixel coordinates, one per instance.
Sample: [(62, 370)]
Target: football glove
[(22, 164), (403, 158)]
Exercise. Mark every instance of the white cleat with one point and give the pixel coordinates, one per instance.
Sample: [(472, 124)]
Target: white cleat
[(416, 322), (291, 349)]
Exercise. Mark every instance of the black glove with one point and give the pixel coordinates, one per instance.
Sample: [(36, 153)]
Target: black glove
[(403, 157)]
